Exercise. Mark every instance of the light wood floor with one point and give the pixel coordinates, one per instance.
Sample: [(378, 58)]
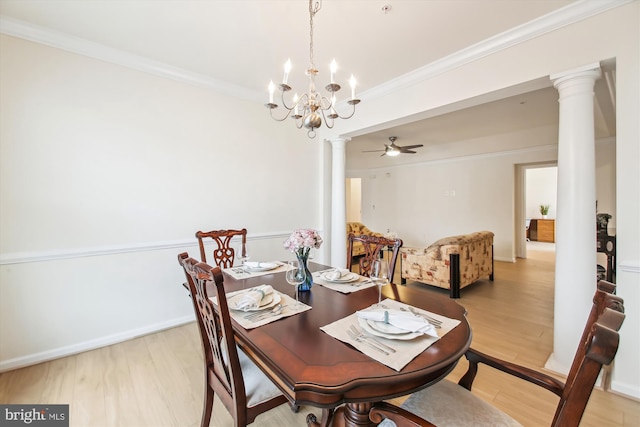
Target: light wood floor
[(156, 380)]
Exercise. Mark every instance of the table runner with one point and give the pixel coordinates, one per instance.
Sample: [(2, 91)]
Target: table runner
[(405, 352)]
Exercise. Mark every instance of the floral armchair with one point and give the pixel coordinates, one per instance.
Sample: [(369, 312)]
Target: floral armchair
[(359, 228), (450, 263)]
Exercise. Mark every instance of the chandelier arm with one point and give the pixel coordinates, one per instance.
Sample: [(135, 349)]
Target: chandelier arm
[(328, 120), (302, 101), (352, 112), (327, 100), (284, 102), (277, 119)]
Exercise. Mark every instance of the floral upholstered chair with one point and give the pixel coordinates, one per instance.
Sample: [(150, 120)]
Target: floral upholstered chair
[(450, 263)]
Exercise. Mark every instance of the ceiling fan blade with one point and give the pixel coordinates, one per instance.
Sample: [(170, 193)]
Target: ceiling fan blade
[(383, 154), (411, 147), (408, 152), (372, 151)]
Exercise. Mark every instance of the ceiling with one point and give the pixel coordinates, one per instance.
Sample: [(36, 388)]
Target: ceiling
[(243, 44)]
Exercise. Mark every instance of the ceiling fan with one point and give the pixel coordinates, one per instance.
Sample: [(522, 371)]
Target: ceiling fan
[(394, 150)]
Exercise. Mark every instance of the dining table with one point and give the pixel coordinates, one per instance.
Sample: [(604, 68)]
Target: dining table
[(313, 368)]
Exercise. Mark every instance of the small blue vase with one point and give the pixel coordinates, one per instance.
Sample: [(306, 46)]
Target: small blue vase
[(308, 281)]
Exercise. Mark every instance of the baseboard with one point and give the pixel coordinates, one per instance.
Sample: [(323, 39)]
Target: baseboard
[(501, 259), (625, 390), (32, 359), (553, 365)]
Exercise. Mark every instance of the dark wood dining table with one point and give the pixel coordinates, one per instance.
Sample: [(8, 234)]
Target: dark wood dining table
[(313, 368)]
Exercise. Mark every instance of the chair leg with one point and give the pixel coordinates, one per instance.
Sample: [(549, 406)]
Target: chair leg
[(208, 406), (454, 276), (492, 265)]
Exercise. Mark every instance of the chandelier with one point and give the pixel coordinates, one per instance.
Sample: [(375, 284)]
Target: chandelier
[(311, 108)]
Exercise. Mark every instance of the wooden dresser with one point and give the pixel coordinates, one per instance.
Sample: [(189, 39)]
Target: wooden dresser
[(543, 230)]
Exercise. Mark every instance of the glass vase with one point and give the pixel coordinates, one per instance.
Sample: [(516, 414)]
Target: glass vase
[(308, 281)]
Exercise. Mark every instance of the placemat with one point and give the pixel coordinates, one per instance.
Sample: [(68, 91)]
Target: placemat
[(393, 353), (253, 319), (345, 288), (239, 273)]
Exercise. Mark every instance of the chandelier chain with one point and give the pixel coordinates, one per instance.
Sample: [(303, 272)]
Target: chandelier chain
[(314, 7)]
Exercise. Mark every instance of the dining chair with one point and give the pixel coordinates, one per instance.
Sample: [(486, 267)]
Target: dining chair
[(241, 386), (448, 404), (373, 249), (223, 254)]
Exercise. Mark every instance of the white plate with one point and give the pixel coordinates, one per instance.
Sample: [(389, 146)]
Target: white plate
[(386, 328), (267, 302), (263, 266), (403, 337), (347, 278)]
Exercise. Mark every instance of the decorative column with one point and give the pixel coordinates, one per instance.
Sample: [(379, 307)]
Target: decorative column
[(338, 202), (575, 276)]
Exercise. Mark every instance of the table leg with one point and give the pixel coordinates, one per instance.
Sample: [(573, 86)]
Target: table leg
[(350, 415), (327, 415)]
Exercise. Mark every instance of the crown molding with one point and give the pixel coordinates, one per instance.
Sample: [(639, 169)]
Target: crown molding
[(80, 46), (562, 17), (574, 12)]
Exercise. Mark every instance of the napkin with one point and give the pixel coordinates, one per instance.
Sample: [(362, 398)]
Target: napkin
[(399, 319), (250, 300), (337, 273)]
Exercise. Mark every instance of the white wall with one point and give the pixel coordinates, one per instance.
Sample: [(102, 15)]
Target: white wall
[(542, 189), (560, 50), (426, 201), (106, 173)]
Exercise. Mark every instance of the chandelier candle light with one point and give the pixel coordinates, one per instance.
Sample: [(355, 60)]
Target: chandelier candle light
[(309, 109)]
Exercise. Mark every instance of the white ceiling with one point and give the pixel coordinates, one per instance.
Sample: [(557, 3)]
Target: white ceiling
[(243, 44)]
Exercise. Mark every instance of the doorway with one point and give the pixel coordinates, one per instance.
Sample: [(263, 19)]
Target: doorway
[(354, 199), (536, 185)]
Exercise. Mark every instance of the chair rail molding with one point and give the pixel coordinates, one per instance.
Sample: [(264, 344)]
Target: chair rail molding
[(28, 257)]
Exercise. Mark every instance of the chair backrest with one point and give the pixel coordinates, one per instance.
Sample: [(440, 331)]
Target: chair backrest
[(224, 373), (603, 298), (598, 346), (223, 254), (372, 247)]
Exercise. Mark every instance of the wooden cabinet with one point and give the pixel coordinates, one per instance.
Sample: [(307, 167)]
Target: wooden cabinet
[(543, 230)]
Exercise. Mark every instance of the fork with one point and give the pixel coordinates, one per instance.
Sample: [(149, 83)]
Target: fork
[(358, 338), (435, 322), (362, 335), (259, 315)]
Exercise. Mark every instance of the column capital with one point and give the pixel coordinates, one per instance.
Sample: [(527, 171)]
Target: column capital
[(338, 141), (590, 71)]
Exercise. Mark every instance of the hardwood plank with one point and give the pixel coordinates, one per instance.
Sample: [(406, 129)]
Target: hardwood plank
[(88, 404)]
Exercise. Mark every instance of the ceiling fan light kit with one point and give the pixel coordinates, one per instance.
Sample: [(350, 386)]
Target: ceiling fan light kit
[(312, 107), (393, 150)]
